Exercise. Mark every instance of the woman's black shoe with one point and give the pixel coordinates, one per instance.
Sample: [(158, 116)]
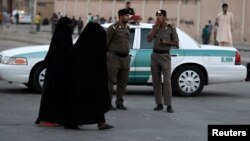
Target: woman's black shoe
[(105, 126)]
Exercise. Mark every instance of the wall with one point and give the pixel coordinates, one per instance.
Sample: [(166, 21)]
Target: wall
[(194, 14)]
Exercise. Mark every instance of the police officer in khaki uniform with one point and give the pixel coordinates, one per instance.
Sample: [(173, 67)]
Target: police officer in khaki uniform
[(131, 10), (118, 59), (165, 37)]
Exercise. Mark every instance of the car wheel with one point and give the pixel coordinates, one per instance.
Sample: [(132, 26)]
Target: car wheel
[(38, 77), (188, 81), (29, 85)]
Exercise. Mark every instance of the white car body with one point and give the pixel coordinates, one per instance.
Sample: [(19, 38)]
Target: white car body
[(24, 17), (21, 73), (218, 63)]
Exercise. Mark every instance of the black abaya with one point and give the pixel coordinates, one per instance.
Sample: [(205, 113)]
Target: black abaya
[(90, 98), (55, 92)]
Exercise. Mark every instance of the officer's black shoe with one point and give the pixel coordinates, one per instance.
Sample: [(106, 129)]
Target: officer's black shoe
[(158, 107), (121, 107), (170, 109), (112, 107)]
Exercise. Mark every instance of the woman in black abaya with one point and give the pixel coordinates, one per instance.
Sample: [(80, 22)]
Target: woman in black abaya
[(54, 101), (90, 98)]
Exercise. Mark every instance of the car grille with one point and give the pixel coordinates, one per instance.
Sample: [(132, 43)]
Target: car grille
[(1, 58)]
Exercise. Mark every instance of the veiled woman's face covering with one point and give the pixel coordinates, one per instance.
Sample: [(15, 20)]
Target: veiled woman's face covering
[(92, 38), (64, 25)]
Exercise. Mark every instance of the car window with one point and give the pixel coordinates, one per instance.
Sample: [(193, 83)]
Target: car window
[(144, 42), (186, 41), (131, 37)]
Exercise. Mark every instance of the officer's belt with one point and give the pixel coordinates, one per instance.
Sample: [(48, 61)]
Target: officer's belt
[(160, 51), (120, 54)]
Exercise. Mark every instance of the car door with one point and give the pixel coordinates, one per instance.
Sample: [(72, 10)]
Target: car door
[(133, 50), (143, 58)]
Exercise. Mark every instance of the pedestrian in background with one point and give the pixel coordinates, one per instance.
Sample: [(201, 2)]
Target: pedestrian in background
[(128, 7), (1, 17), (6, 19), (118, 58), (59, 15), (97, 19), (150, 20), (54, 20), (38, 20), (225, 22), (103, 20), (205, 35), (90, 18), (165, 37), (17, 17), (248, 72), (210, 27), (80, 25), (215, 33), (74, 24)]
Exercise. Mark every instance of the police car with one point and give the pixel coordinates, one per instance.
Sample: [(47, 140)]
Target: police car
[(193, 65)]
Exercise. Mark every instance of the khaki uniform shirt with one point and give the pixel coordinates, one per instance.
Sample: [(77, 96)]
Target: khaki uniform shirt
[(118, 38), (167, 33)]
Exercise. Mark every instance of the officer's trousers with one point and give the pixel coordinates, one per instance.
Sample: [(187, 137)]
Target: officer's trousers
[(161, 64), (118, 70)]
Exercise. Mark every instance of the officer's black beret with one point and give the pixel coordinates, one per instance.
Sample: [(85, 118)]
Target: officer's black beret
[(123, 12), (127, 1), (162, 12)]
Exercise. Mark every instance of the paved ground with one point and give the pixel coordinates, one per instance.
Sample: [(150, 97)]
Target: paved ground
[(217, 104)]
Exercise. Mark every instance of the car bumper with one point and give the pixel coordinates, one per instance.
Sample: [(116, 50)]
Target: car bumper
[(227, 74), (14, 73)]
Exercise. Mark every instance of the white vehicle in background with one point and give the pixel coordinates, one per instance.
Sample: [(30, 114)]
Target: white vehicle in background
[(24, 17), (193, 65)]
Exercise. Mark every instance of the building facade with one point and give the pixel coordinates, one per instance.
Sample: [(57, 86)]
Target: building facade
[(45, 7), (189, 15)]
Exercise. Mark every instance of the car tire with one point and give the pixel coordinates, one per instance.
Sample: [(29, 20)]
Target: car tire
[(188, 81), (38, 78), (29, 85)]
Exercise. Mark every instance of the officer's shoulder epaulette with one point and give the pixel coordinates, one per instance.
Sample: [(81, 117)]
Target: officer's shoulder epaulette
[(115, 26), (170, 25), (127, 26)]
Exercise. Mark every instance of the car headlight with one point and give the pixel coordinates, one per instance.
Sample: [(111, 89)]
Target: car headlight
[(14, 60)]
